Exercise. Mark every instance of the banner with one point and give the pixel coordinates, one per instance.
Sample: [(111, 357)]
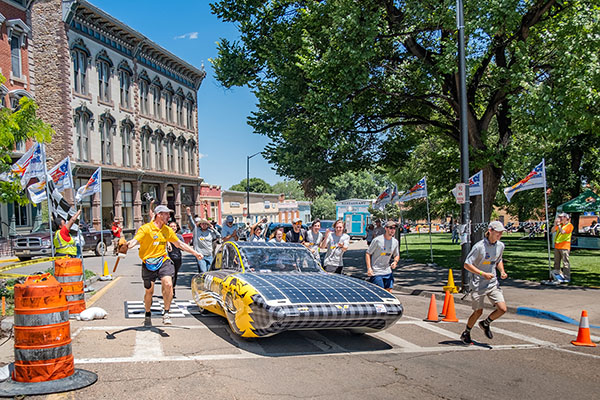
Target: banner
[(535, 179), (416, 192), (475, 185), (383, 199), (93, 185), (60, 174), (29, 166)]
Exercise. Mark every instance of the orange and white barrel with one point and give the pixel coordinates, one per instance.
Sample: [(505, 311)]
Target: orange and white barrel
[(69, 273)]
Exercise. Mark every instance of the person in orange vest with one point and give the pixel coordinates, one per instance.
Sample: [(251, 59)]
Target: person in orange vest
[(562, 247), (64, 243)]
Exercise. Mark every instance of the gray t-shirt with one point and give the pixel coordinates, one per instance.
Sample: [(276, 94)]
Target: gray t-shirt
[(203, 239), (381, 251), (485, 256), (227, 230), (335, 254), (314, 241)]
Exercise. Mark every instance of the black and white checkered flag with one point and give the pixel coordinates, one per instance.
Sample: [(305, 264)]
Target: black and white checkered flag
[(60, 207)]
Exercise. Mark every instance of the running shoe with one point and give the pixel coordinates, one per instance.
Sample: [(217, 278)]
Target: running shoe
[(558, 277), (486, 329), (147, 321), (466, 338), (166, 318)]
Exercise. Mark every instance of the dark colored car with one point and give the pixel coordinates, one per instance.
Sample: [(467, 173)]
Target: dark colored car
[(37, 243), (273, 226), (326, 224), (266, 288)]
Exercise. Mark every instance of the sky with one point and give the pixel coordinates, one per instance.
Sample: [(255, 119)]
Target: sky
[(189, 30)]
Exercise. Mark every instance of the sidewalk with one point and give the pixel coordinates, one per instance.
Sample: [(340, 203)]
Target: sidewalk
[(424, 279)]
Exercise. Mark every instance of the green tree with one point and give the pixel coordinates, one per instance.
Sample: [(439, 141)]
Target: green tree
[(291, 190), (257, 185), (323, 206), (18, 126), (344, 84)]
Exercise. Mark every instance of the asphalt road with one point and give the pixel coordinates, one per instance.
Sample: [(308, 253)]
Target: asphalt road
[(199, 357)]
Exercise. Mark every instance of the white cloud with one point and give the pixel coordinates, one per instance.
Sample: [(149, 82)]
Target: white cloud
[(201, 156), (189, 35)]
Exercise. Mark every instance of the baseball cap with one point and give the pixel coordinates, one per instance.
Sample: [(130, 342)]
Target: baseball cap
[(229, 218), (295, 220), (563, 214), (390, 224), (162, 208), (497, 226)]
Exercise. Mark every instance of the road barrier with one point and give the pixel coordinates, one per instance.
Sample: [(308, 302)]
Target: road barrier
[(432, 315), (69, 273), (42, 331), (583, 335)]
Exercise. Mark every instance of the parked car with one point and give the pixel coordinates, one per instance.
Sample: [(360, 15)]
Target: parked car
[(266, 288), (326, 224), (37, 243), (273, 226)]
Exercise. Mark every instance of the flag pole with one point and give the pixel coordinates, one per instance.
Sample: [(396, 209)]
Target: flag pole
[(402, 231), (429, 222), (52, 233), (101, 227), (482, 200), (547, 221)]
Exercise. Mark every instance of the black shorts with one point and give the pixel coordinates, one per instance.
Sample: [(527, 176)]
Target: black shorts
[(167, 269)]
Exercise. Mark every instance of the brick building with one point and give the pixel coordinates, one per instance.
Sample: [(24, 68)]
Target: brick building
[(120, 101)]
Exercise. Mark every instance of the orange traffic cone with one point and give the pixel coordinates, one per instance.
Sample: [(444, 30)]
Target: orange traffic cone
[(445, 306), (432, 314), (451, 312), (583, 336)]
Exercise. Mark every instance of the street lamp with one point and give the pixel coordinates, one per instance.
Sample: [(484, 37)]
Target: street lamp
[(248, 183)]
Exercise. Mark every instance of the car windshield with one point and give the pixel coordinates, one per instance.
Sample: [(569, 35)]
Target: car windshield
[(279, 259)]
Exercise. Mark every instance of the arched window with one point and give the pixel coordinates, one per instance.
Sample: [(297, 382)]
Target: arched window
[(191, 157), (156, 94), (104, 66), (189, 108), (179, 106), (84, 123), (180, 155), (125, 74), (168, 91), (158, 151), (145, 141), (126, 138), (17, 32), (170, 144), (107, 124), (80, 56), (144, 84)]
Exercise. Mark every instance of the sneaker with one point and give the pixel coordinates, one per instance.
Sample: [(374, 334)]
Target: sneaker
[(147, 321), (466, 338), (486, 329), (558, 277), (167, 319)]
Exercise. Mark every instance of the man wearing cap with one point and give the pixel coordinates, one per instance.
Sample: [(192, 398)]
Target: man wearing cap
[(483, 260), (297, 234), (228, 231), (562, 247), (378, 256), (152, 238), (203, 239), (378, 230)]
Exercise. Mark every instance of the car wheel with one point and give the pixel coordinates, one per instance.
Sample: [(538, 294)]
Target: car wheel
[(24, 258), (100, 249)]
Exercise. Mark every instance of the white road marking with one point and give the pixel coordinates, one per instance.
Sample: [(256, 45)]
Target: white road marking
[(437, 329), (552, 328), (388, 337)]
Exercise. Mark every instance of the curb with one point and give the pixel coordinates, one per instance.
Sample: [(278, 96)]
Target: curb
[(551, 315)]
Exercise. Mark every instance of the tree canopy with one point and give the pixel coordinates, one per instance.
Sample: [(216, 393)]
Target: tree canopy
[(256, 185), (343, 85)]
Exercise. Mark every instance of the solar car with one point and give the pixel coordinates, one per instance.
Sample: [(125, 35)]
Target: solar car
[(266, 288)]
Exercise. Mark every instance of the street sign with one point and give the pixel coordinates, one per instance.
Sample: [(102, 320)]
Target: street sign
[(461, 189)]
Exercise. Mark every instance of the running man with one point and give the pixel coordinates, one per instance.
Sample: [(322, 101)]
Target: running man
[(483, 260), (152, 238)]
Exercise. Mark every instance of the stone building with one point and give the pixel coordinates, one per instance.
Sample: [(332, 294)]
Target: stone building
[(120, 101), (15, 38)]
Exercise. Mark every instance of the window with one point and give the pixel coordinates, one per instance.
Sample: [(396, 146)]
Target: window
[(80, 61), (156, 101), (103, 80), (179, 110), (158, 153), (15, 55), (191, 164), (168, 107), (21, 214), (189, 114), (82, 128), (170, 143), (144, 96), (106, 129), (126, 143), (86, 202), (124, 87), (180, 157), (127, 207), (145, 139)]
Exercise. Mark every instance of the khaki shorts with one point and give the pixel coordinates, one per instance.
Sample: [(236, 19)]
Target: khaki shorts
[(495, 295)]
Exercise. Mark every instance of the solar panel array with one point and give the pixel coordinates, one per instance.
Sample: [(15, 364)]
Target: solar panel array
[(315, 288)]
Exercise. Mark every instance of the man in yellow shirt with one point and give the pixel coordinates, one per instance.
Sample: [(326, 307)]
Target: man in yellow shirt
[(152, 238), (562, 248)]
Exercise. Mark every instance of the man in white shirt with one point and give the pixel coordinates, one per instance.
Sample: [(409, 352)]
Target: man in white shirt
[(378, 256)]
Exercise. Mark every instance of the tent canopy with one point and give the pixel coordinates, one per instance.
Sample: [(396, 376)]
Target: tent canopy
[(587, 201)]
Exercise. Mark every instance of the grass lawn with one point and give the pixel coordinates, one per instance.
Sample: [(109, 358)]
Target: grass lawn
[(523, 258)]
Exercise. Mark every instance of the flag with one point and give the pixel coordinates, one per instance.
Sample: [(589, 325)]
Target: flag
[(93, 185), (60, 207), (394, 196), (60, 174), (475, 185), (535, 179), (384, 198), (29, 166), (416, 192)]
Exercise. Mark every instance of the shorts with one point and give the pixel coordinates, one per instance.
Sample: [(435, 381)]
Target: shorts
[(385, 281), (167, 269), (495, 295)]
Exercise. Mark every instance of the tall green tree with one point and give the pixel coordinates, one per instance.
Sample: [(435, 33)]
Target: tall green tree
[(256, 185), (17, 126), (291, 190), (340, 83)]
